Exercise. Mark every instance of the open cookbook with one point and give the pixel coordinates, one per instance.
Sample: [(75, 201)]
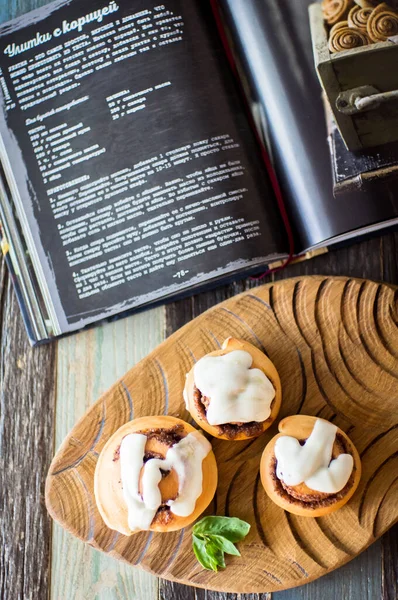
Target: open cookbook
[(131, 169)]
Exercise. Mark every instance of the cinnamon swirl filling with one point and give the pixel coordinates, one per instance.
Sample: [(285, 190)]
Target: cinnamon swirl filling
[(230, 430), (302, 495)]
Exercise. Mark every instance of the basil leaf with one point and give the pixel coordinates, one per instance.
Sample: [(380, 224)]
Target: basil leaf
[(215, 553), (199, 548), (231, 528), (212, 536), (225, 545)]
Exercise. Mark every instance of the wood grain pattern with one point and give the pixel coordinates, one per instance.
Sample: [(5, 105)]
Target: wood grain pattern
[(331, 340), (178, 314), (24, 558), (87, 365), (26, 413), (24, 562), (348, 583), (390, 565), (367, 577), (176, 591), (26, 429)]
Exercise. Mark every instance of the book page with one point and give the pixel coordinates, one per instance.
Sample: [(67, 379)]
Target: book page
[(133, 168), (273, 45)]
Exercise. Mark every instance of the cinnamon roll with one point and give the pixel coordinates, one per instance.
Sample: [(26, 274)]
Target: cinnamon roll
[(311, 468), (343, 37), (234, 393), (358, 17), (336, 10), (382, 23), (154, 474)]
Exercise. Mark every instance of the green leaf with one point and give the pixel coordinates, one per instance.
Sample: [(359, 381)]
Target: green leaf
[(215, 553), (231, 528), (225, 545), (212, 536), (208, 553), (199, 548)]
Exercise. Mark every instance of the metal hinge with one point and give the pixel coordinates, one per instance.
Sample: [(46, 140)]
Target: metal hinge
[(363, 98)]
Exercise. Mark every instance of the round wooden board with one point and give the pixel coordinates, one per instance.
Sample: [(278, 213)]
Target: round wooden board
[(334, 342)]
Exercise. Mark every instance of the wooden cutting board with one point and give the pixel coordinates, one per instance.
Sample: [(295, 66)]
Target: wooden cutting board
[(334, 342)]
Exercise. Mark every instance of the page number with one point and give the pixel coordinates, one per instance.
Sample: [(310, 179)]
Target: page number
[(180, 274)]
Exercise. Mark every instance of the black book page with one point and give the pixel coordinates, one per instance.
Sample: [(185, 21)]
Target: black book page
[(133, 160), (273, 43)]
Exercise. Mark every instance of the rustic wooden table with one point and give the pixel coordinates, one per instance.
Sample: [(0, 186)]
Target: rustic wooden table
[(43, 393)]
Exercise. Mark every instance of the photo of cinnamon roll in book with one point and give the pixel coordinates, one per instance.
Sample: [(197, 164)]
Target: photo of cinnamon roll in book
[(359, 24), (234, 393), (311, 468), (154, 474)]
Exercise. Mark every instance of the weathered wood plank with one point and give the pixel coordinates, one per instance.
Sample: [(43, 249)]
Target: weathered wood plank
[(360, 579), (176, 591), (181, 312), (14, 8), (87, 365), (364, 259), (389, 548), (389, 258), (26, 433), (26, 379)]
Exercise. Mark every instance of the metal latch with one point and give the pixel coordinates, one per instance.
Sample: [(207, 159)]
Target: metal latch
[(363, 98)]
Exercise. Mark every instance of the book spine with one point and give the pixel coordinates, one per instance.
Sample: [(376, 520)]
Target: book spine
[(5, 249), (17, 262), (265, 151)]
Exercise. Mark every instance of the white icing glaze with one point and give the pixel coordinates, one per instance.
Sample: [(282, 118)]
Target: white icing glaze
[(312, 462), (132, 452), (185, 458), (237, 393)]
